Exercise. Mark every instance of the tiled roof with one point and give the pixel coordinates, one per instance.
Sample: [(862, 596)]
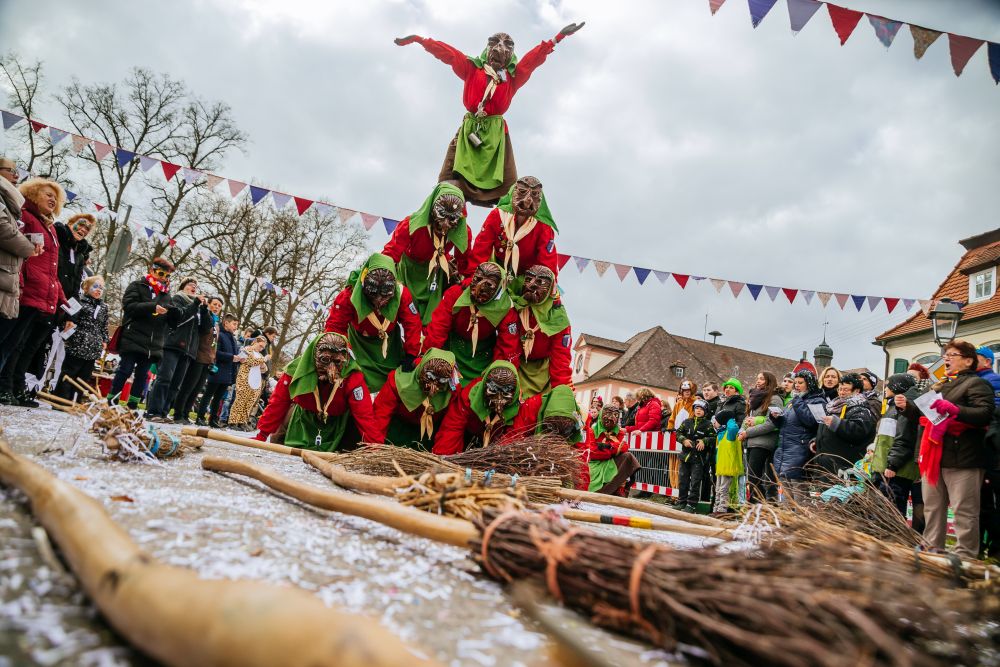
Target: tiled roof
[(956, 287), (597, 341), (650, 353)]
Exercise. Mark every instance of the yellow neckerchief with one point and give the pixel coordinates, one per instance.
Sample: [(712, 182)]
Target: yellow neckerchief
[(324, 407), (490, 88), (440, 256), (488, 428), (474, 326), (528, 339), (512, 257), (427, 419), (383, 331)]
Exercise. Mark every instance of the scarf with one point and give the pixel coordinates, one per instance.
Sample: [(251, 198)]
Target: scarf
[(757, 397), (306, 381), (412, 396), (158, 287), (542, 215), (931, 446), (477, 402), (363, 306), (493, 310), (480, 63), (550, 317), (458, 236)]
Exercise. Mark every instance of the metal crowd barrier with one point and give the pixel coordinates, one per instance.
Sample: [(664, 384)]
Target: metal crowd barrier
[(652, 450)]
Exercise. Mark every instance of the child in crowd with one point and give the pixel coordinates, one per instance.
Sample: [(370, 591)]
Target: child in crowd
[(697, 438), (249, 384)]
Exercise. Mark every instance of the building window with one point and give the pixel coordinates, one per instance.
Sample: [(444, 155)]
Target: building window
[(927, 360), (579, 362), (982, 285), (900, 365), (678, 371)]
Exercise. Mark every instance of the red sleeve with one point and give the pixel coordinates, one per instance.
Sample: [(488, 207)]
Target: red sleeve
[(508, 347), (399, 241), (526, 420), (546, 249), (450, 436), (342, 313), (482, 249), (530, 62), (651, 417), (436, 334), (462, 260), (596, 452), (561, 358), (361, 408), (277, 408), (410, 320), (449, 55), (386, 401)]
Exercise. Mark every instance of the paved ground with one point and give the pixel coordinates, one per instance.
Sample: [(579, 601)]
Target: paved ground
[(430, 595)]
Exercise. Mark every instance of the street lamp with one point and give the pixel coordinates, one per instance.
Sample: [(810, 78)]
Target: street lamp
[(944, 320)]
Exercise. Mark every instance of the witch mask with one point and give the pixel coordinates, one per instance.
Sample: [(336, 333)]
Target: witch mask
[(610, 416), (332, 354), (485, 282), (435, 376), (379, 286), (527, 196), (501, 385), (499, 51), (538, 281), (446, 214)]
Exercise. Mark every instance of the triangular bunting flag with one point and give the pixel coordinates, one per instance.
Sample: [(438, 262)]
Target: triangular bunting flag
[(622, 270), (302, 205), (390, 225), (844, 21), (601, 266), (10, 119), (22, 174), (280, 199), (561, 260), (101, 150), (213, 261), (99, 207), (842, 299), (56, 135), (800, 11), (754, 290), (714, 5), (858, 301), (736, 287), (662, 276), (322, 209), (256, 194), (681, 279), (908, 304), (123, 157), (808, 295), (962, 49), (145, 163), (190, 176), (790, 294), (873, 302), (759, 9), (824, 297), (79, 143), (346, 214), (368, 220), (993, 52), (641, 274), (211, 180), (169, 170), (890, 303), (236, 187), (36, 126), (718, 284), (149, 232), (922, 39), (581, 263), (772, 292), (885, 29), (925, 305), (70, 196)]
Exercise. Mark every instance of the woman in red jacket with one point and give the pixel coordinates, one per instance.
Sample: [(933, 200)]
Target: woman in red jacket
[(41, 293), (647, 417)]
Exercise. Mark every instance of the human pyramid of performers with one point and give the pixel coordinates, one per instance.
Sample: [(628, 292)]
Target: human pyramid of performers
[(464, 342)]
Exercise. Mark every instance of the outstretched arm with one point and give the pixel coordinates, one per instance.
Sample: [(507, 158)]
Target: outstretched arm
[(449, 55)]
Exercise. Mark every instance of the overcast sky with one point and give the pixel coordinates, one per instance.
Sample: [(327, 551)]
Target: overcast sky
[(665, 137)]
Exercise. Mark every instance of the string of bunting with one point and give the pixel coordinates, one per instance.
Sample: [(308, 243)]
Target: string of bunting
[(280, 200), (845, 21)]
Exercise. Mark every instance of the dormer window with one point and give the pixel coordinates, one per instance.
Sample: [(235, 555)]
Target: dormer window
[(982, 285), (677, 370)]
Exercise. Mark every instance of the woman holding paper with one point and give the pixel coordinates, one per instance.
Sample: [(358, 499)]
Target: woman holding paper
[(86, 334)]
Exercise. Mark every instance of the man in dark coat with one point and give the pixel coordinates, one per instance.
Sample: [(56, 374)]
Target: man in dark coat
[(179, 349), (203, 362)]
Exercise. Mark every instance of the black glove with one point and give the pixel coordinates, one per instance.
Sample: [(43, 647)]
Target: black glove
[(603, 447)]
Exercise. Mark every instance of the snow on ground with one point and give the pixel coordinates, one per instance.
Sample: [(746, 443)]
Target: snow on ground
[(430, 595)]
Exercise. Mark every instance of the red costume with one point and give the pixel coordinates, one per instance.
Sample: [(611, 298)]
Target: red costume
[(420, 247), (445, 322), (343, 315), (461, 422), (537, 247), (352, 395), (389, 407), (557, 349)]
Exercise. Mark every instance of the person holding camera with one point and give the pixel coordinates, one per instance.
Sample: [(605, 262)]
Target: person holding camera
[(179, 349)]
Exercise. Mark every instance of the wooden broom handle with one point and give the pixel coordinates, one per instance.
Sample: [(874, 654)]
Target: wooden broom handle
[(639, 506), (222, 436)]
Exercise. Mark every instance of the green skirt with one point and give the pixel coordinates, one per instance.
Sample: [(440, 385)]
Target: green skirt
[(405, 434), (413, 275), (368, 353), (483, 165), (305, 426), (601, 472), (471, 367), (534, 377)]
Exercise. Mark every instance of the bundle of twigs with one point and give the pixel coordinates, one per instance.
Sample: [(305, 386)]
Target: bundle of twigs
[(455, 495), (529, 455)]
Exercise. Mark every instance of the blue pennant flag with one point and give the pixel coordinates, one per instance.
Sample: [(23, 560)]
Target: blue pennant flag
[(759, 9), (10, 119), (55, 135), (70, 196), (213, 261), (641, 274), (268, 286), (581, 263), (149, 232), (123, 157), (858, 301), (992, 50), (390, 225), (754, 290), (256, 194)]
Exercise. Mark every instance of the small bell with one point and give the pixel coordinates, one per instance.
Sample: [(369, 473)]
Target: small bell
[(319, 441), (434, 285)]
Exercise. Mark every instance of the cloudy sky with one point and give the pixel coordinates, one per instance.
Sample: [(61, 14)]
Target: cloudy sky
[(665, 137)]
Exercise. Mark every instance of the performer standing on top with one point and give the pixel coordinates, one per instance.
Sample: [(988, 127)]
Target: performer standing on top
[(519, 232), (429, 248), (544, 332), (481, 157)]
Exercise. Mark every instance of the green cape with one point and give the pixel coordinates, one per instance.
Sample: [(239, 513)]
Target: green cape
[(560, 402), (551, 317), (543, 215), (481, 60), (422, 217), (358, 298), (409, 389), (477, 395), (493, 310), (303, 370)]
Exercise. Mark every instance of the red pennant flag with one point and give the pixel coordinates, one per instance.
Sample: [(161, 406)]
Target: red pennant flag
[(36, 126), (681, 279), (714, 5), (236, 187), (171, 242), (890, 302), (844, 21), (169, 170), (790, 294), (302, 205), (98, 206), (622, 270), (962, 49), (842, 299), (101, 150), (562, 260)]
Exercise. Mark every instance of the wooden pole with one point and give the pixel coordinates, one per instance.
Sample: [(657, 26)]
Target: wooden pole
[(638, 506), (222, 436), (456, 532), (648, 524), (171, 614)]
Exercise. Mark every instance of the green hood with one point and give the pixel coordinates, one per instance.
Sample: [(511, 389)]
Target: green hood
[(303, 369), (543, 215), (493, 310), (560, 402), (481, 60), (551, 317), (422, 216), (409, 389), (598, 428), (477, 395), (358, 298)]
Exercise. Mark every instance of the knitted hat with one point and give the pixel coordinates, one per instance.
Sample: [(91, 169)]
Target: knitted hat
[(900, 383), (735, 384), (700, 404), (871, 378)]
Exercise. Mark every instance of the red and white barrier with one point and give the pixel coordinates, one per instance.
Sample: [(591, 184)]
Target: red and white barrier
[(653, 450)]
